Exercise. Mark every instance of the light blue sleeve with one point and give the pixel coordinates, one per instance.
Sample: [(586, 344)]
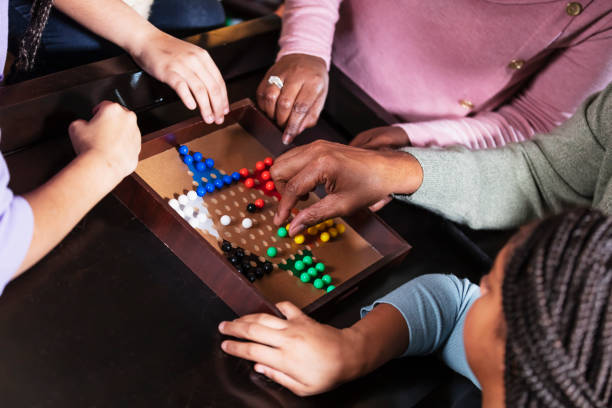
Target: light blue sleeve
[(435, 307)]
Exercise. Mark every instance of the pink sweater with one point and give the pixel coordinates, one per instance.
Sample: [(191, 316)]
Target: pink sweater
[(444, 67)]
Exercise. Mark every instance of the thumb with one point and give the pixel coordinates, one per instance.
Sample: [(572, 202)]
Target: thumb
[(380, 204), (330, 206), (101, 106), (76, 126), (359, 140), (289, 310)]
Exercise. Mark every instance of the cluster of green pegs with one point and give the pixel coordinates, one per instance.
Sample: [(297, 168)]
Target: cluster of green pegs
[(304, 267)]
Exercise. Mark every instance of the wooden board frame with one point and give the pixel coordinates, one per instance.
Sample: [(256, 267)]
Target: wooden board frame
[(189, 246)]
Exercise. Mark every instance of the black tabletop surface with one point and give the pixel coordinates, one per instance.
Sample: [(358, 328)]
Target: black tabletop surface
[(111, 318)]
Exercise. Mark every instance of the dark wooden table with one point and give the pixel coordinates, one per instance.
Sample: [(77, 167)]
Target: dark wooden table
[(112, 318)]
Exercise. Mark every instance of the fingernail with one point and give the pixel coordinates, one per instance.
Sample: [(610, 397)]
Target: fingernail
[(219, 121), (224, 346), (221, 326), (226, 111), (258, 369), (209, 119), (286, 139)]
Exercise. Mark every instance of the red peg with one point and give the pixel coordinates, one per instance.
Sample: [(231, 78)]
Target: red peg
[(265, 175), (260, 165), (244, 172), (268, 161), (249, 183), (259, 203), (269, 186)]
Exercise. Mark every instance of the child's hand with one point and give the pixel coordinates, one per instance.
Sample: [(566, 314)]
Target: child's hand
[(188, 69), (112, 135), (304, 356)]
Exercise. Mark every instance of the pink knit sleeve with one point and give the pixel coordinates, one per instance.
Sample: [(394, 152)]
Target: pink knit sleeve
[(547, 101), (308, 28)]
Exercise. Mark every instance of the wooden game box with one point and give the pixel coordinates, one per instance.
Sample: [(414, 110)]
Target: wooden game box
[(245, 137)]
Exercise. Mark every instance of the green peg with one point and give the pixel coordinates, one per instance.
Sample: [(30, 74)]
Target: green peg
[(330, 288), (327, 279), (320, 266), (305, 277), (307, 260), (313, 272), (282, 232), (272, 252), (299, 265), (318, 283)]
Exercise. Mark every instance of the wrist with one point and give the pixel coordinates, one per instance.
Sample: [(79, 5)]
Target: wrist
[(107, 173), (136, 44), (300, 57), (357, 361), (404, 174)]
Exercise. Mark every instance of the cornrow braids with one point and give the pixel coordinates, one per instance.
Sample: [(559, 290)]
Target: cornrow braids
[(557, 302), (39, 14)]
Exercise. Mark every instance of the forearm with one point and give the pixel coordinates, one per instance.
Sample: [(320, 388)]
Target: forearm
[(379, 337), (423, 316), (61, 202), (492, 189), (483, 131), (111, 19), (540, 106), (507, 187), (308, 28)]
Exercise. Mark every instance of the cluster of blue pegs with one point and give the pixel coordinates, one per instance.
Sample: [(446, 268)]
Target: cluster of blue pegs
[(205, 168)]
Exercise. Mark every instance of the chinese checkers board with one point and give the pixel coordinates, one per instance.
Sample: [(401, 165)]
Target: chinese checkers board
[(206, 192)]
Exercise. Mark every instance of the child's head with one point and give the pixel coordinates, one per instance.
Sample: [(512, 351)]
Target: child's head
[(540, 335)]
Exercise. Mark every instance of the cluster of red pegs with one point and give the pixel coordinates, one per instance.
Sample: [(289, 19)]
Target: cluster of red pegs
[(262, 175)]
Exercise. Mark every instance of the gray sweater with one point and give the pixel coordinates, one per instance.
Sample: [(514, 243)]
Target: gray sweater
[(507, 187)]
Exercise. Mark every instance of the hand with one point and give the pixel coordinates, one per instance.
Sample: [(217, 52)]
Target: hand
[(302, 355), (353, 178), (107, 150), (188, 69), (377, 206), (389, 137), (298, 105), (381, 138), (112, 135)]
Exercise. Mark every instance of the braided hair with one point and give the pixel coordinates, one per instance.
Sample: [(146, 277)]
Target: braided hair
[(39, 14), (557, 303)]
